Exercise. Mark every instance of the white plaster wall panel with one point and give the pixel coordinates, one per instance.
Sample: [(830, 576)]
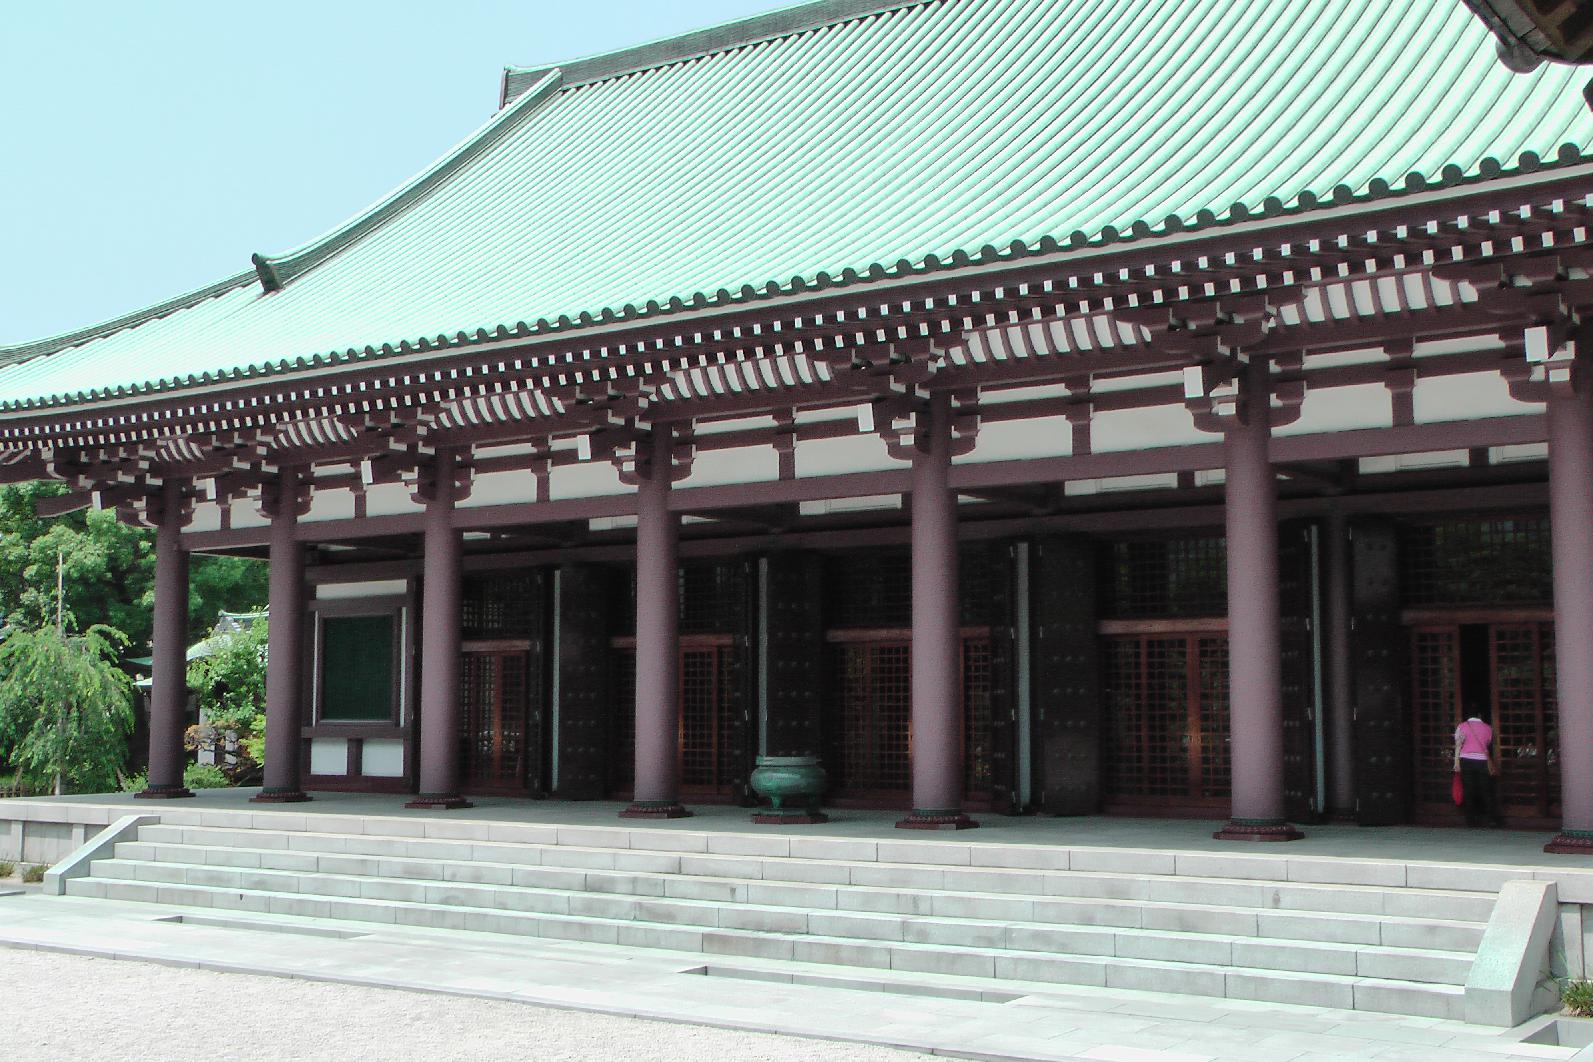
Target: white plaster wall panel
[(1468, 397), (1457, 345), (1342, 409), (722, 427), (507, 450), (611, 523), (329, 756), (1115, 384), (357, 591), (1211, 477), (1022, 394), (1337, 358), (587, 479), (1139, 429), (389, 499), (855, 453), (824, 416), (862, 503), (207, 517), (330, 505), (1016, 439), (501, 488), (1116, 484), (1505, 455), (1415, 462), (745, 464), (382, 758), (242, 513)]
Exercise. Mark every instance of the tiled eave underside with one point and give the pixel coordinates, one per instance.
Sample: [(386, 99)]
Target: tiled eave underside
[(846, 352)]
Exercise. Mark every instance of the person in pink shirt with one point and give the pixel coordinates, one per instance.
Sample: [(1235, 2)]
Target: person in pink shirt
[(1473, 751)]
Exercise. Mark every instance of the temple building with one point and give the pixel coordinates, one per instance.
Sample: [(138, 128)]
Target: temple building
[(1056, 406)]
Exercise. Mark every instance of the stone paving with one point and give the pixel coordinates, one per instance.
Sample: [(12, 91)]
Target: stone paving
[(145, 1011), (1053, 1022)]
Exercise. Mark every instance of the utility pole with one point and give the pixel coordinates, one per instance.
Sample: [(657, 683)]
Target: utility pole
[(60, 632)]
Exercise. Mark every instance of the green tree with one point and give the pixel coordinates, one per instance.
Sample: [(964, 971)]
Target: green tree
[(65, 706), (230, 683), (108, 569)]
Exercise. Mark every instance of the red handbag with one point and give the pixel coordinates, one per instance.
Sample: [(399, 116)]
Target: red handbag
[(1457, 790)]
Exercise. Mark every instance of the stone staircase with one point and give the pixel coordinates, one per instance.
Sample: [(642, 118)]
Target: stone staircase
[(1320, 932)]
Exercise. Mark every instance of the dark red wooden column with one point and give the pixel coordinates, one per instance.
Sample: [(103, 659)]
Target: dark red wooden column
[(1570, 410), (285, 648), (657, 793), (439, 662), (168, 703), (1255, 661), (937, 655)]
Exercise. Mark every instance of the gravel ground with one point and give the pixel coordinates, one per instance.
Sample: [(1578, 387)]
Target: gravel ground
[(69, 1006)]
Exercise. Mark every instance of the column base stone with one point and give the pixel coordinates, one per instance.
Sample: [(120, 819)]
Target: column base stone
[(1571, 842), (279, 795), (439, 802), (1258, 830), (933, 819), (164, 792), (655, 809)]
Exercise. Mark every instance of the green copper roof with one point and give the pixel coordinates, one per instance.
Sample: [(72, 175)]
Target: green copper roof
[(855, 140)]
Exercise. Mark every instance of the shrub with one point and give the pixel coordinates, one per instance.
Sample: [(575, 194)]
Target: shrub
[(134, 783), (1578, 997), (204, 776), (34, 874), (7, 868)]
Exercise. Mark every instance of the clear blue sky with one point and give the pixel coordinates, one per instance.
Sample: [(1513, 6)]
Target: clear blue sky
[(152, 145)]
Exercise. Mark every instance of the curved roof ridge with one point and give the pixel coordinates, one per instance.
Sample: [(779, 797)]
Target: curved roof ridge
[(276, 271), (754, 29), (17, 353)]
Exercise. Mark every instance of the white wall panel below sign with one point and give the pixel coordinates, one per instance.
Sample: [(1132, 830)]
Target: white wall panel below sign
[(382, 758), (329, 756)]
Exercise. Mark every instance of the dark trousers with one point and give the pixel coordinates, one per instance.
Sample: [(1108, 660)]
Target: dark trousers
[(1480, 803)]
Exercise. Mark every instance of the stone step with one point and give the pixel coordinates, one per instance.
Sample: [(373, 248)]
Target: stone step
[(915, 877), (936, 852), (983, 931), (1370, 929), (1319, 989)]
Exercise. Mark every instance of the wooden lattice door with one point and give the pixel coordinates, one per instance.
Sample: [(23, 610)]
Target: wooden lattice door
[(1166, 701), (493, 721), (1525, 715), (868, 729), (710, 744), (1435, 711), (1518, 686)]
